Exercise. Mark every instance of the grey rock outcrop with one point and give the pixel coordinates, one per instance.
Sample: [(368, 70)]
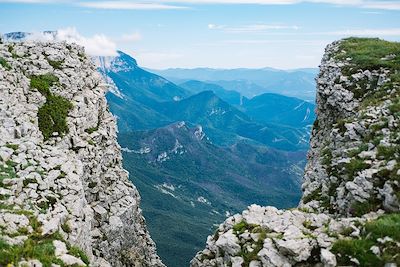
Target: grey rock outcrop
[(266, 236), (67, 191), (349, 212), (354, 154)]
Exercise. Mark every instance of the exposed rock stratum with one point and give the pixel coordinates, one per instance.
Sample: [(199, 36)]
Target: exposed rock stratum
[(64, 197)]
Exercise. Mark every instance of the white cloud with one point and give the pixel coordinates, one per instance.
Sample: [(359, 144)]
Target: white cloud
[(372, 12), (161, 59), (388, 5), (97, 45), (215, 27), (260, 2), (284, 41), (29, 1), (182, 4), (128, 5), (371, 4), (366, 32), (133, 37), (253, 28)]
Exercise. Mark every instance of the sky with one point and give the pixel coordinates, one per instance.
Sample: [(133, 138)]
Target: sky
[(284, 34)]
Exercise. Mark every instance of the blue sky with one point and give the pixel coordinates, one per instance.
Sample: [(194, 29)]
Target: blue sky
[(208, 33)]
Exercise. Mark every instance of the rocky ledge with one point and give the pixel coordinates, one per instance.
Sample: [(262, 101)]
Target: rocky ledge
[(349, 212), (65, 199)]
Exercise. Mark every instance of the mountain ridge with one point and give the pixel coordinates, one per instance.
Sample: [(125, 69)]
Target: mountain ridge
[(251, 82)]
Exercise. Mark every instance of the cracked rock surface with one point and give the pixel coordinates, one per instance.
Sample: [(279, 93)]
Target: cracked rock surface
[(67, 193)]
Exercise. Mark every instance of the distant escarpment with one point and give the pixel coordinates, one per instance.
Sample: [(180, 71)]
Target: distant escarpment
[(65, 199), (349, 212)]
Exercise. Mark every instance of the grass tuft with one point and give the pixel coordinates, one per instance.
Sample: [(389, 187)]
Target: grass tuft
[(43, 83), (5, 64), (53, 114), (385, 226)]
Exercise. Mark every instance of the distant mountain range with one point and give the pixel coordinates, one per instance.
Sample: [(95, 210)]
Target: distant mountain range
[(298, 83), (188, 184), (197, 151)]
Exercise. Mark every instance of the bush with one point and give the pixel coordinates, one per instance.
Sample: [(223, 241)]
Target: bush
[(6, 172), (53, 114), (361, 208), (314, 195), (387, 152), (77, 252), (55, 64), (359, 249), (354, 166), (385, 226), (241, 227), (43, 82), (5, 64), (395, 108), (92, 130)]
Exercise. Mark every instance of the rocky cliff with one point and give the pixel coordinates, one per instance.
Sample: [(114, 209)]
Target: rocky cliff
[(64, 197), (349, 212)]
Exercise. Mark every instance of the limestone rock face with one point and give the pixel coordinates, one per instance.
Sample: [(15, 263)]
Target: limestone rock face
[(354, 155), (67, 190), (349, 212), (266, 236)]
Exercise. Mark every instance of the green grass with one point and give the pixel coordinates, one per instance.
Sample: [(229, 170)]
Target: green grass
[(77, 252), (249, 256), (308, 224), (91, 142), (55, 64), (52, 116), (66, 228), (242, 226), (340, 124), (6, 172), (395, 108), (91, 130), (360, 208), (354, 166), (388, 152), (327, 156), (355, 152), (386, 225), (4, 63), (12, 146), (314, 195), (41, 249), (359, 249), (43, 83), (29, 181), (37, 247), (368, 53)]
